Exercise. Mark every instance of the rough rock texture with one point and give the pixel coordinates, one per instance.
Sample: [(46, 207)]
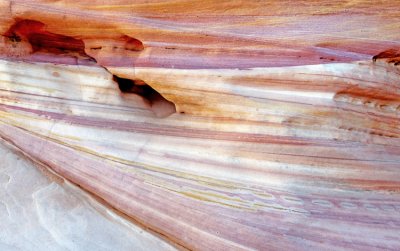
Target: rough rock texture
[(221, 125)]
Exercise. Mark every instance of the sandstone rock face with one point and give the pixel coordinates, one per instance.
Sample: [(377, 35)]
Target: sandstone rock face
[(43, 213), (219, 125)]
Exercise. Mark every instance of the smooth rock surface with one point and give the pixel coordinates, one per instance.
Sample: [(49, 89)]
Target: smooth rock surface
[(37, 213)]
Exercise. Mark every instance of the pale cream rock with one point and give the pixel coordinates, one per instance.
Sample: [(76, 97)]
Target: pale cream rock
[(37, 213)]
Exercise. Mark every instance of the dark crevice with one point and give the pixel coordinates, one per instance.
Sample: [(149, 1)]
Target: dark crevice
[(392, 56), (159, 105), (41, 40)]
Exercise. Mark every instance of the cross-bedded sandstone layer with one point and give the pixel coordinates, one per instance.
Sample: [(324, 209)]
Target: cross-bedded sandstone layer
[(220, 125)]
